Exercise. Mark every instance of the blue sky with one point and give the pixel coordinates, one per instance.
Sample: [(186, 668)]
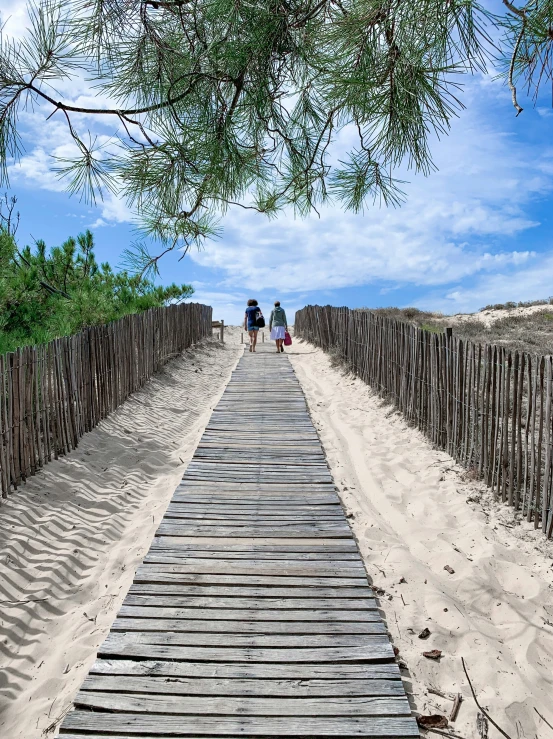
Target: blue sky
[(476, 231)]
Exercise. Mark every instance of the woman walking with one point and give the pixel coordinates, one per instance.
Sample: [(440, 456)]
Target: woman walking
[(250, 322), (278, 326)]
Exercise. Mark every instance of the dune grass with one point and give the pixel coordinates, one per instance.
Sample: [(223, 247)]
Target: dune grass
[(529, 332)]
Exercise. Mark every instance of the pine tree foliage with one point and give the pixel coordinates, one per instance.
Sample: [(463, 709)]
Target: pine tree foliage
[(46, 293), (224, 102)]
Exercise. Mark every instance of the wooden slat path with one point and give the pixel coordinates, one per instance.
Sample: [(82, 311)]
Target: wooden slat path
[(251, 614)]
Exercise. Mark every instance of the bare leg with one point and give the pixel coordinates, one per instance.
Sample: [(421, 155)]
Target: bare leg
[(254, 339)]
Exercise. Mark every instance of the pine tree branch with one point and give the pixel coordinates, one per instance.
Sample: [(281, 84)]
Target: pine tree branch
[(103, 111), (512, 69), (516, 11)]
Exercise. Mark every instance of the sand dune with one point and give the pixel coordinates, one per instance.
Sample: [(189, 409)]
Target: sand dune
[(414, 512), (71, 538), (490, 316)]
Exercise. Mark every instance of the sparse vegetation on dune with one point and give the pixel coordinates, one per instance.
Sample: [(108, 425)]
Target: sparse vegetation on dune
[(510, 305), (515, 328)]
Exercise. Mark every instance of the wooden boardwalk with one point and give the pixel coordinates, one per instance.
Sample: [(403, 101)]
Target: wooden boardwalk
[(251, 614)]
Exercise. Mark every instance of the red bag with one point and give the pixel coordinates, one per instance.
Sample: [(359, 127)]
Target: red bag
[(287, 339)]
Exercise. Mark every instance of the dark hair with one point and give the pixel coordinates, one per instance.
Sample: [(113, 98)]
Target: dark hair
[(251, 301), (277, 303)]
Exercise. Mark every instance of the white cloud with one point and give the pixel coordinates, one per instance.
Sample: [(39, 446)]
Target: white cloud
[(98, 223), (114, 210), (531, 283), (14, 17), (341, 250), (35, 168), (226, 305)]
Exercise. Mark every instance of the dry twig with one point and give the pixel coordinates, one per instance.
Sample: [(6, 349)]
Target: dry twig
[(543, 718), (436, 691), (486, 714)]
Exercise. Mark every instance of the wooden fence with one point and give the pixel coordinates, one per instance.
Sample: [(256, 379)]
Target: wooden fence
[(51, 395), (487, 406)]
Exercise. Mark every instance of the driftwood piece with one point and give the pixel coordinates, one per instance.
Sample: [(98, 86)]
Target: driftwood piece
[(456, 706)]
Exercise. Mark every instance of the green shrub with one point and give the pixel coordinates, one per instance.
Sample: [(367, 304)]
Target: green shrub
[(49, 293)]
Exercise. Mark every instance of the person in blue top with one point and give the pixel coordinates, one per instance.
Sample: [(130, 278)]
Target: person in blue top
[(250, 322)]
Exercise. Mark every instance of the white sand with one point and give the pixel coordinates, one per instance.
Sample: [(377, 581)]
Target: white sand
[(72, 537), (488, 317), (410, 509)]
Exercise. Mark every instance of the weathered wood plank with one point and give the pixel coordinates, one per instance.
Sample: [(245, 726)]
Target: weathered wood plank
[(321, 523), (261, 497), (169, 554), (179, 601), (266, 597), (211, 615), (245, 687), (291, 581), (232, 706), (274, 726), (254, 641), (257, 491), (242, 625), (280, 532), (348, 545), (287, 671), (255, 508), (370, 653), (333, 521), (215, 567)]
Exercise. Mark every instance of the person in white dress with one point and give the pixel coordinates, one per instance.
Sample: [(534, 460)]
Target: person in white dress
[(278, 326)]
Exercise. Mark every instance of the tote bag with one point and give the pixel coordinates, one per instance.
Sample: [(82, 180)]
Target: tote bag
[(287, 339)]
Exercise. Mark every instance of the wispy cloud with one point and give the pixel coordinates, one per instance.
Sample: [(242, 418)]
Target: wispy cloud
[(530, 283)]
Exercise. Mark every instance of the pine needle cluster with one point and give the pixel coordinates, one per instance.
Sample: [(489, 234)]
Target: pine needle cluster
[(241, 102)]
